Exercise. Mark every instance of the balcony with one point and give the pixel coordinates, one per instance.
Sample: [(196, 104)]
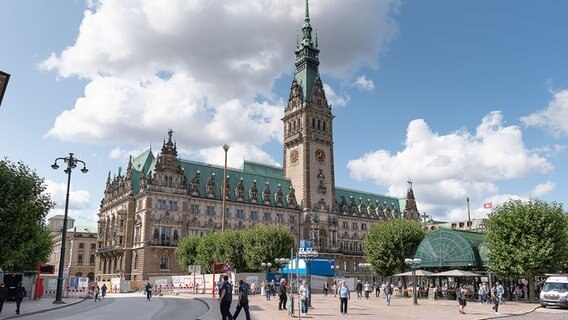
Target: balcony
[(164, 243)]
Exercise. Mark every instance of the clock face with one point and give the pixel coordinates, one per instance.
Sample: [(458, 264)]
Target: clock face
[(294, 155), (320, 155)]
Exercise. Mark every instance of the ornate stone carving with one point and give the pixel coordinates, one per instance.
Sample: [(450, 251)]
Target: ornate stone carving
[(253, 193), (239, 190), (210, 186)]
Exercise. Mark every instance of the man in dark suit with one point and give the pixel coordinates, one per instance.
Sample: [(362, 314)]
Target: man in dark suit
[(20, 294)]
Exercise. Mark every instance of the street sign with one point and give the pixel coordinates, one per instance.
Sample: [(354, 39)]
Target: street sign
[(227, 267)]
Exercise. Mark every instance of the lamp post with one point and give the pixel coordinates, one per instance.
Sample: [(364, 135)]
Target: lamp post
[(365, 266), (226, 148), (308, 255), (413, 263), (267, 266), (71, 162)]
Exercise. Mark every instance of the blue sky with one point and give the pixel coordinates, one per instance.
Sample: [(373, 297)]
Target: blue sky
[(466, 98)]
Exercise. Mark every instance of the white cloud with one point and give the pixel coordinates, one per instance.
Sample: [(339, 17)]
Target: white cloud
[(333, 98), (220, 59), (78, 199), (553, 119), (364, 84), (446, 169), (542, 189)]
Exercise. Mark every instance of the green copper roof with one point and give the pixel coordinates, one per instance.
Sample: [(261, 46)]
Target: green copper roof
[(307, 59), (451, 248), (260, 168), (366, 198)]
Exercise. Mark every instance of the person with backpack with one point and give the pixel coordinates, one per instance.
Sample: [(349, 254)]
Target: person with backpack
[(148, 291), (461, 294), (104, 290), (344, 296), (226, 298), (242, 302), (283, 287)]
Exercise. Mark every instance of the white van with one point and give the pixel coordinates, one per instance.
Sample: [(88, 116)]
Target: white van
[(555, 291)]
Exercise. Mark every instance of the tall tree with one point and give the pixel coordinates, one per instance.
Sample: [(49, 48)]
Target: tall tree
[(186, 251), (388, 243), (24, 239), (527, 238), (265, 243)]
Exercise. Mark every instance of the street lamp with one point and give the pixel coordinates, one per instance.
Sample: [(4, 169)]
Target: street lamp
[(226, 148), (308, 255), (413, 263), (71, 162), (365, 266), (334, 269), (266, 265)]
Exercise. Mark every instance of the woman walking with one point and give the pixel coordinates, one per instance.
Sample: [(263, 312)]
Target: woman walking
[(461, 293)]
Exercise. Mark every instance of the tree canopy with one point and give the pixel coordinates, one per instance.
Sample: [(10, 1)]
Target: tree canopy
[(24, 239), (527, 238), (388, 243), (245, 249)]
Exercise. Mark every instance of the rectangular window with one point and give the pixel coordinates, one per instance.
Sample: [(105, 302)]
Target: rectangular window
[(81, 245), (210, 210), (254, 215), (80, 259), (279, 218), (93, 246), (92, 260), (240, 213), (194, 208), (161, 204), (173, 205), (267, 216), (292, 219), (227, 213)]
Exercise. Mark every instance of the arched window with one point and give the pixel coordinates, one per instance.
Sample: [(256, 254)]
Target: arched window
[(324, 125), (313, 123), (164, 262), (319, 128)]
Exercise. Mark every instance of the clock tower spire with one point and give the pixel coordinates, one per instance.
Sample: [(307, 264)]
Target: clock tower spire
[(308, 132)]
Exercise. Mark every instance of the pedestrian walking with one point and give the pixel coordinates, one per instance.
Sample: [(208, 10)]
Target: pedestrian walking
[(334, 288), (367, 289), (377, 289), (97, 292), (282, 295), (3, 292), (344, 296), (359, 288), (482, 293), (461, 294), (20, 294), (500, 293), (495, 297), (225, 298), (148, 291), (242, 302), (267, 290), (325, 288), (104, 290), (304, 296), (388, 292)]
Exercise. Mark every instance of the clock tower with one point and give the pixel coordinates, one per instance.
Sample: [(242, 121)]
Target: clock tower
[(308, 132)]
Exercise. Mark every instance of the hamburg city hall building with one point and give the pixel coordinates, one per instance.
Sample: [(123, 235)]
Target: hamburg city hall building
[(161, 198)]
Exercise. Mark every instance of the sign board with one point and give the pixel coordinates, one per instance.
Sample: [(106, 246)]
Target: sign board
[(219, 267), (227, 267)]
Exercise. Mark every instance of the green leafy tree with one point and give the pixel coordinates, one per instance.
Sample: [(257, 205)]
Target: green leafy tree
[(231, 249), (388, 243), (527, 238), (265, 243), (208, 251), (24, 238), (186, 251)]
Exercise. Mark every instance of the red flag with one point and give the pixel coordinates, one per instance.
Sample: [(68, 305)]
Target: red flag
[(488, 205)]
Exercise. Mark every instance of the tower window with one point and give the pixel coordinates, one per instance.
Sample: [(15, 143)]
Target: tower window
[(324, 125), (313, 123), (319, 124)]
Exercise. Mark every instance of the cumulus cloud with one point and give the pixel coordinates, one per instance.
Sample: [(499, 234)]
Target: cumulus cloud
[(78, 199), (204, 68), (446, 169), (542, 189), (553, 119), (364, 84), (334, 99)]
